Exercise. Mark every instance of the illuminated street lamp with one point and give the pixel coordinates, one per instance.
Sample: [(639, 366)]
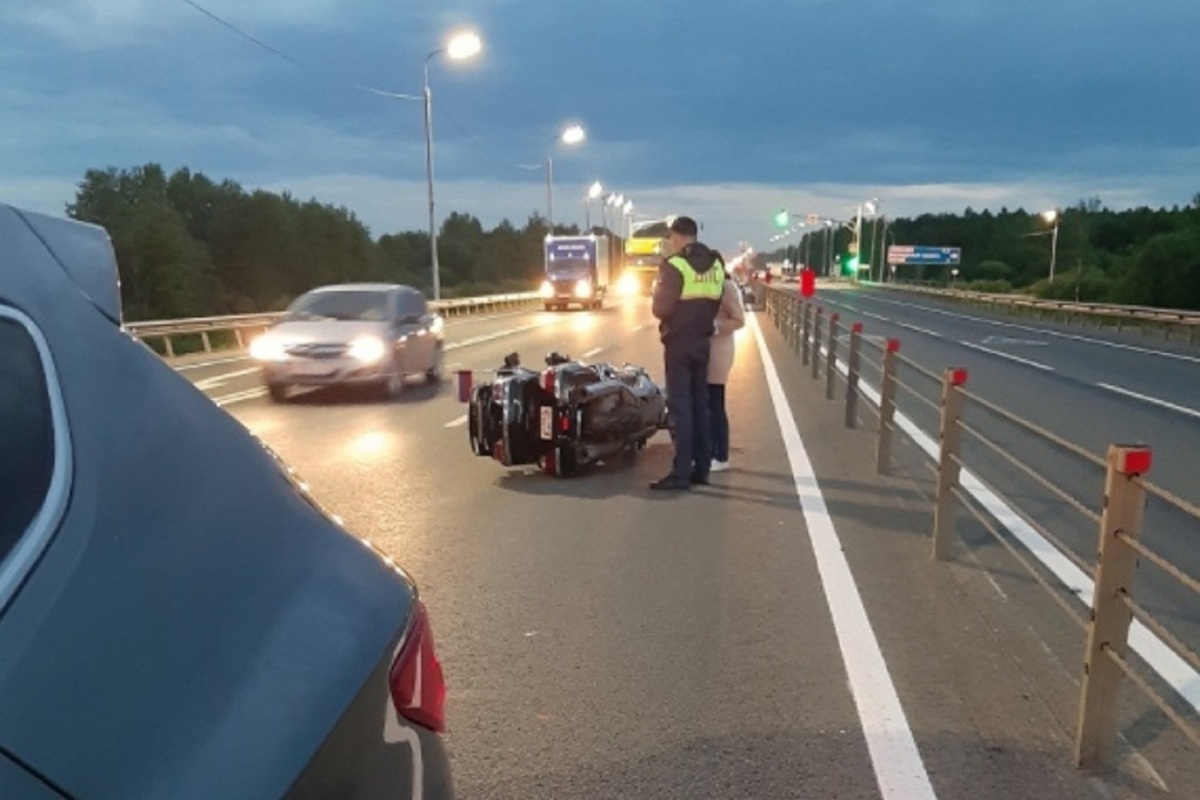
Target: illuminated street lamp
[(571, 135), (593, 192), (463, 45), (1052, 216)]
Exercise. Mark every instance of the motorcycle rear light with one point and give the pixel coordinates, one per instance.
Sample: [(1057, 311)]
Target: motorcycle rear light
[(417, 687)]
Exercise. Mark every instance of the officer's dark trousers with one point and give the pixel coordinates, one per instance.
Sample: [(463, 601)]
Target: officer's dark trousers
[(687, 404)]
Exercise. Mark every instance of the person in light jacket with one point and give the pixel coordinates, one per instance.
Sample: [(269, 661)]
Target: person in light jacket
[(730, 317)]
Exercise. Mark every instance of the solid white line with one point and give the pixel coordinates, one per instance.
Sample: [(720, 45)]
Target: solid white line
[(1170, 666), (456, 422), (1148, 399), (1010, 357), (899, 770)]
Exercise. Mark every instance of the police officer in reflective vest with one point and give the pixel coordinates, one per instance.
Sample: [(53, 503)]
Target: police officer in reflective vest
[(686, 298)]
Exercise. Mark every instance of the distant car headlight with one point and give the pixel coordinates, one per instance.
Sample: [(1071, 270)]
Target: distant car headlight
[(367, 349), (629, 284), (547, 289), (267, 348), (583, 288)]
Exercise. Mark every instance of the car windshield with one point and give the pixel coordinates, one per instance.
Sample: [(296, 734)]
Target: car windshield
[(344, 305), (569, 268)]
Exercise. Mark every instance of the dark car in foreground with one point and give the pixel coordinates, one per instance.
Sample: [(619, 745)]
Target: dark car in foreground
[(178, 617), (376, 334)]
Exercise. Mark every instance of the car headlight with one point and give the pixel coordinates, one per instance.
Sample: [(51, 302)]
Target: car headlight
[(267, 348), (367, 349), (547, 289), (583, 288)]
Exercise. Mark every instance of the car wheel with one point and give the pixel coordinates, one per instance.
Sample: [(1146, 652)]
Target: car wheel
[(278, 392), (434, 373)]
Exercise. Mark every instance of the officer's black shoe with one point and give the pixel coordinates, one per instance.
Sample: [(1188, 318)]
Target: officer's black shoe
[(700, 480), (671, 484)]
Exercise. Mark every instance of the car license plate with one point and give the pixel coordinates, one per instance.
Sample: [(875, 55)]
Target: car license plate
[(311, 368), (547, 422)]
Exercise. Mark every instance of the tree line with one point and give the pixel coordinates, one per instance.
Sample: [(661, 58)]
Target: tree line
[(190, 246), (1140, 256)]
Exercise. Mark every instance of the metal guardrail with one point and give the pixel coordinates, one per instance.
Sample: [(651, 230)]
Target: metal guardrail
[(240, 324), (1122, 506), (1169, 320)]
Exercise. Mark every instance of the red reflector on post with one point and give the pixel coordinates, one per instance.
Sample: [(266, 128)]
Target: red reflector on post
[(464, 386), (417, 686), (857, 327), (893, 345), (958, 376), (808, 282), (1137, 461)]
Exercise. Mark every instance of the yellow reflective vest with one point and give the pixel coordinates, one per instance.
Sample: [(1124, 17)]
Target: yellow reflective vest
[(699, 285)]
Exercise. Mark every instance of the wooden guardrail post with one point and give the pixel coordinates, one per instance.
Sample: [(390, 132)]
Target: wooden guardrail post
[(853, 364), (887, 406), (170, 348), (948, 464), (816, 356), (806, 327), (831, 355), (1124, 500)]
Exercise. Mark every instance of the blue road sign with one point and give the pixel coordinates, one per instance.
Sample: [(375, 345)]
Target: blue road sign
[(923, 254)]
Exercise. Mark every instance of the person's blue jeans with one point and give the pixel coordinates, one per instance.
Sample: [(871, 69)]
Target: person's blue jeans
[(719, 436), (687, 404)]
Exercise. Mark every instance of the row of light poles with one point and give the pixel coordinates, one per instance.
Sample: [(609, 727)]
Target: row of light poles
[(462, 46)]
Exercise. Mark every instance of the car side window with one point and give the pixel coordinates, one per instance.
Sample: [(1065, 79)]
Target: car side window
[(26, 433)]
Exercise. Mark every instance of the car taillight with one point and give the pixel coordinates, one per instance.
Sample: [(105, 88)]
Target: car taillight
[(416, 682)]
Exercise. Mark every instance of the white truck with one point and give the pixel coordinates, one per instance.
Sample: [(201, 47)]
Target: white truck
[(579, 271)]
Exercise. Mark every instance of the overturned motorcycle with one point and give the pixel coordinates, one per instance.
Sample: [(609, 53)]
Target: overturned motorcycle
[(565, 417)]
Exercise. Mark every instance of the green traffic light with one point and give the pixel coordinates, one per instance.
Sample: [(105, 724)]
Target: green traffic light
[(781, 218)]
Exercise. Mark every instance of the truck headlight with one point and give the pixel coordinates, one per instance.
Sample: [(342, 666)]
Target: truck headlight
[(367, 349), (629, 285), (547, 289), (267, 348), (583, 288)]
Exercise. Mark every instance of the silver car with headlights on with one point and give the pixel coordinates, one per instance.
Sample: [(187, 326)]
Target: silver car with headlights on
[(376, 334)]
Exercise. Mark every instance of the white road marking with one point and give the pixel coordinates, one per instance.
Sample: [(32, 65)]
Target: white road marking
[(203, 364), (1010, 357), (457, 422), (925, 331), (498, 335), (899, 771), (1169, 665), (1008, 341), (594, 351), (218, 380), (237, 397), (1153, 400), (1046, 332), (879, 317)]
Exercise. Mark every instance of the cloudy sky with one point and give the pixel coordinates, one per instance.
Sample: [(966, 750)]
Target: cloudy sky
[(724, 109)]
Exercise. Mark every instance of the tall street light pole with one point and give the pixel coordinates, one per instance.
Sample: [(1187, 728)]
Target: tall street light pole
[(464, 45), (571, 135), (592, 193), (1052, 216)]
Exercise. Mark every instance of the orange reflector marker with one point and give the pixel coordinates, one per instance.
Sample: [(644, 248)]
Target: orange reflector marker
[(1137, 461), (958, 376)]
